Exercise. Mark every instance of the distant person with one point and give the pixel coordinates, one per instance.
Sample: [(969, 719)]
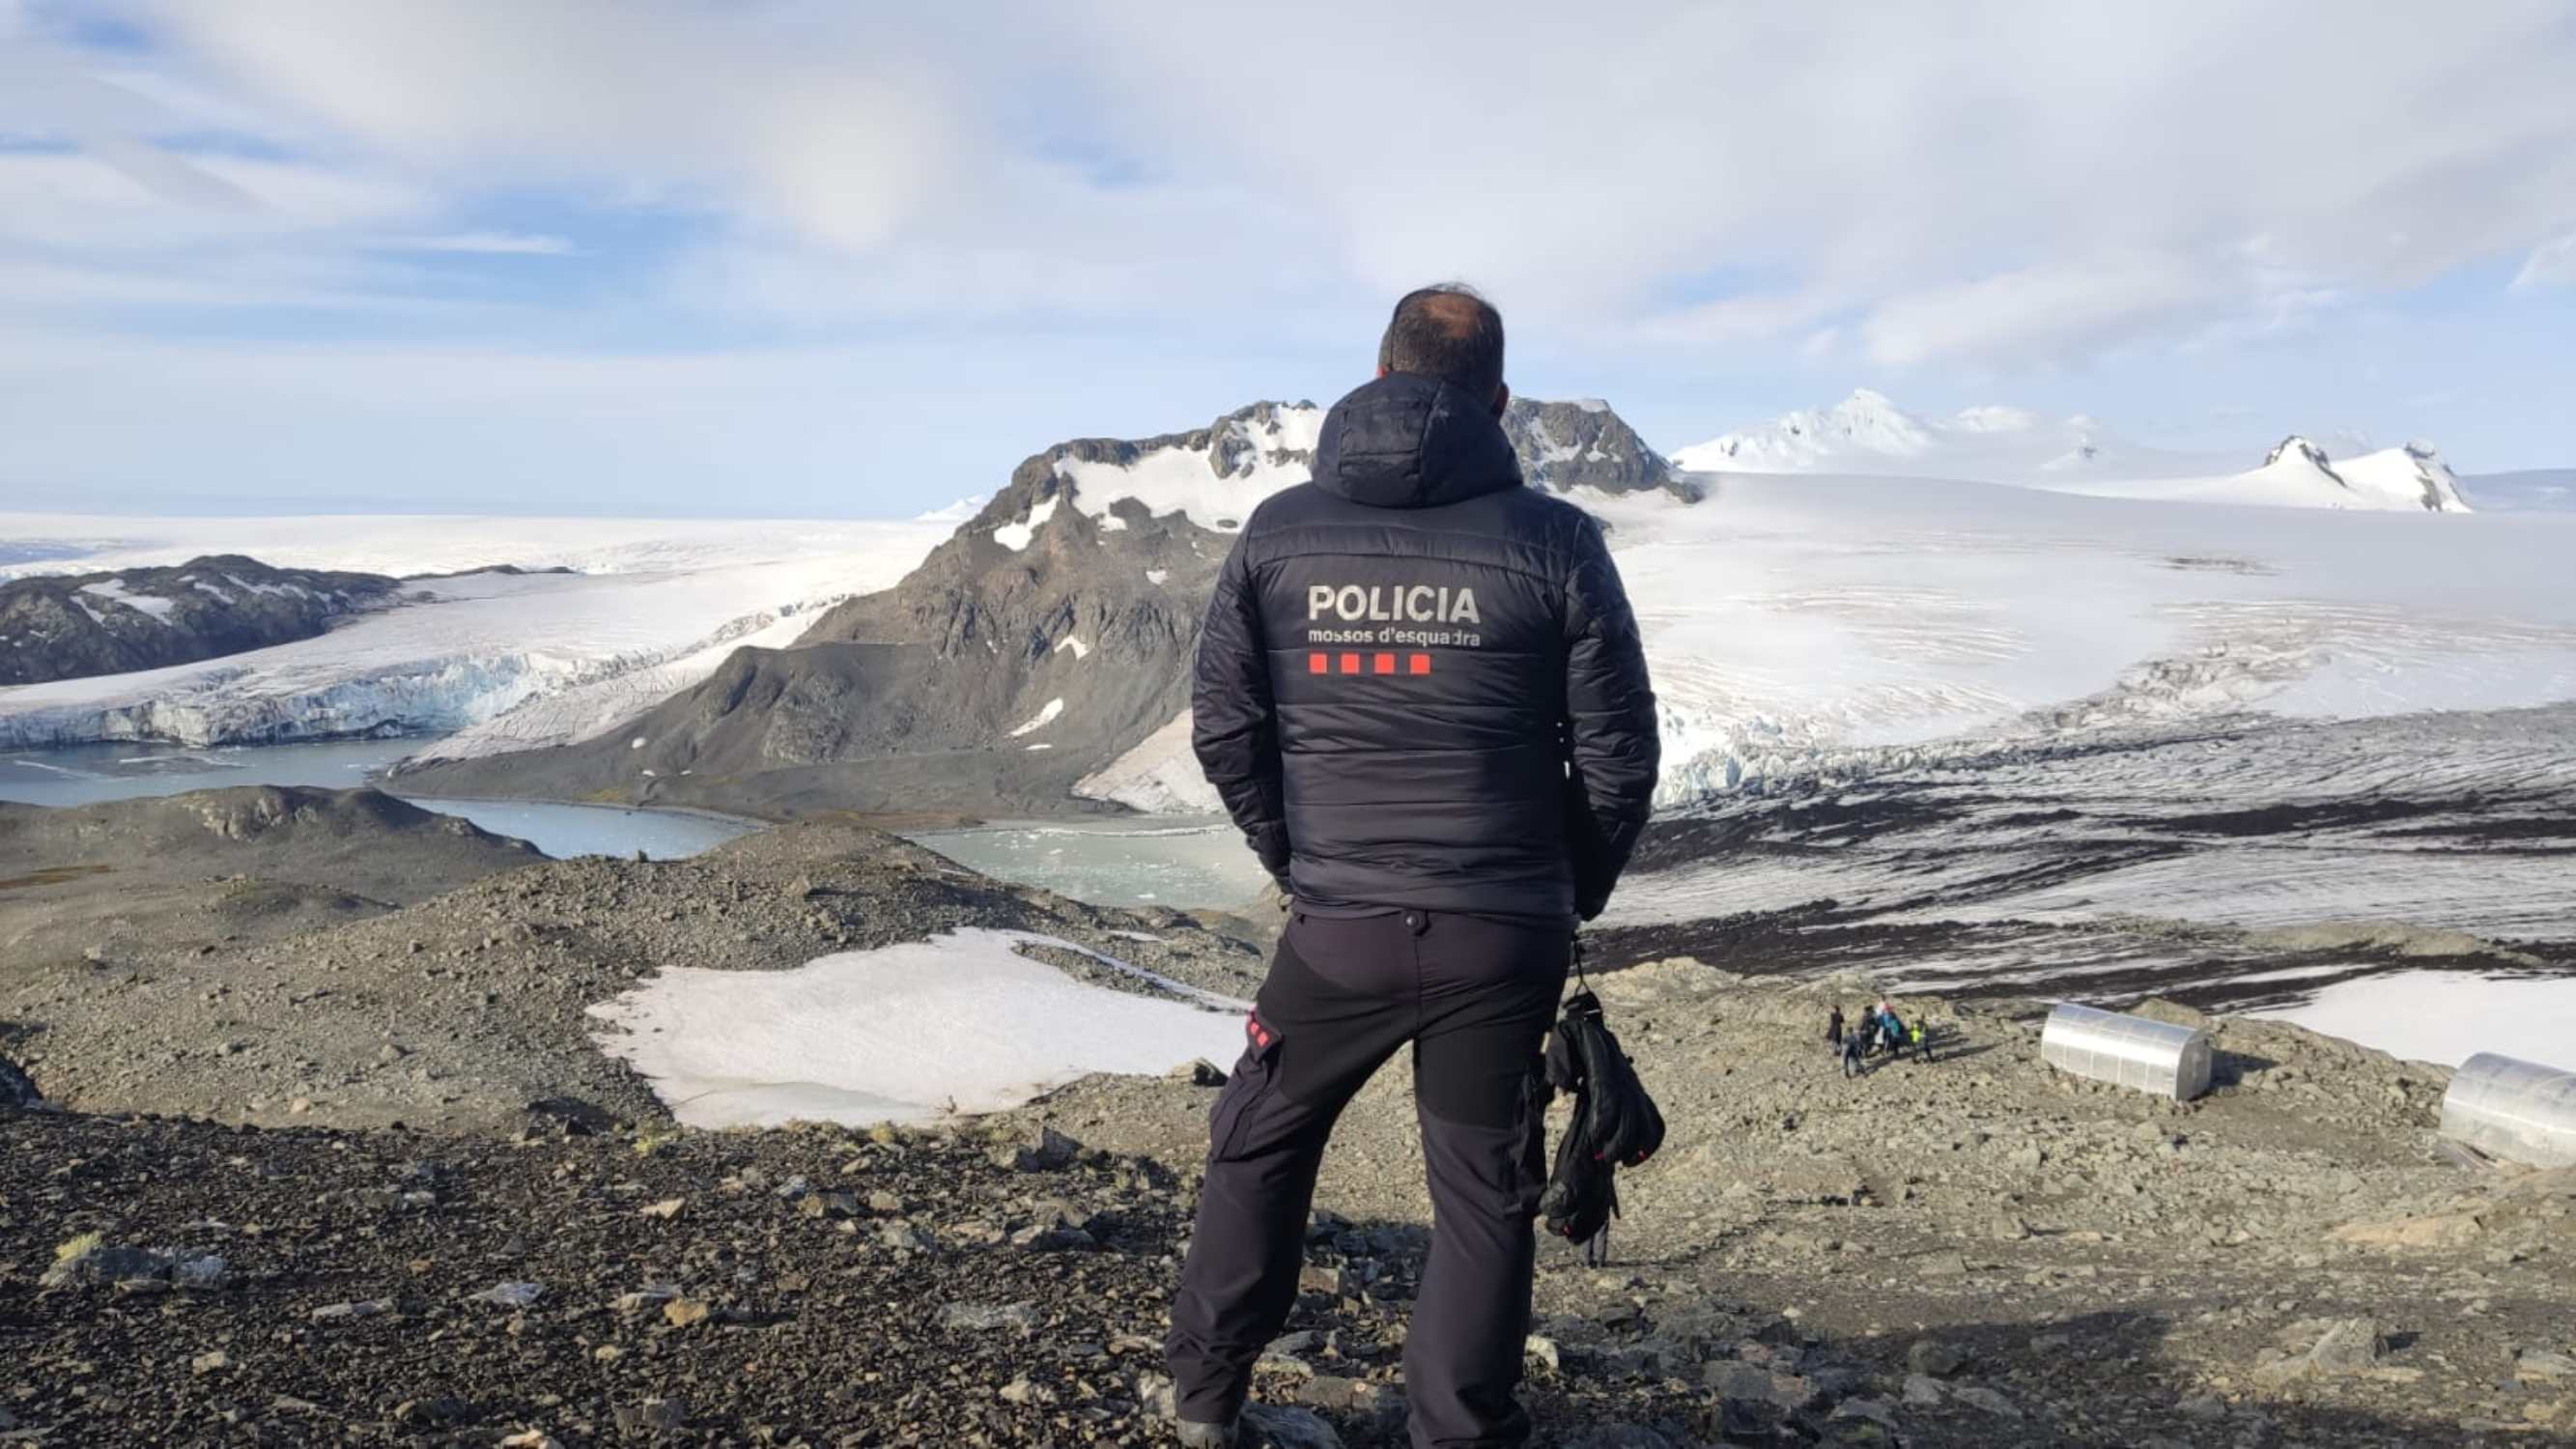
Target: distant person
[(1421, 695), (1834, 1029), (1855, 1044), (1920, 1037), (1891, 1030)]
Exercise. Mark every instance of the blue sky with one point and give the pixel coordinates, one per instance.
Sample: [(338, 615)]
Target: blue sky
[(809, 258)]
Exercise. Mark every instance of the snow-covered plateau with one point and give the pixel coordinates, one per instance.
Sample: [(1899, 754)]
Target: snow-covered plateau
[(492, 660), (1867, 434)]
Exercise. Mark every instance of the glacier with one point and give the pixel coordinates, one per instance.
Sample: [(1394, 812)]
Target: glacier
[(494, 661)]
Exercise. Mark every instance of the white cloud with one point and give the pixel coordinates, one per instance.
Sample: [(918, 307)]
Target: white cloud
[(491, 243), (2552, 264), (2038, 312), (1983, 185), (1923, 170)]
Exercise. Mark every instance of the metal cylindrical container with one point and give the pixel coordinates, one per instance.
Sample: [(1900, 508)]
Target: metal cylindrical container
[(2513, 1109), (2128, 1051)]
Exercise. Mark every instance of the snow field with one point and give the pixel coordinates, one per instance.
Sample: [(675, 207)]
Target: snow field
[(402, 545), (960, 1023)]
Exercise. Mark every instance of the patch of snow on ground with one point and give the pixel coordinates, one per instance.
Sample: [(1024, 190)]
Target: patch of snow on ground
[(115, 591), (2448, 1016), (959, 1023), (1016, 536), (1080, 649), (1046, 715), (1160, 776)]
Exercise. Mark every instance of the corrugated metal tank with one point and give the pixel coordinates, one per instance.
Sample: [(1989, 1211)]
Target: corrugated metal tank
[(2128, 1051), (2513, 1109)]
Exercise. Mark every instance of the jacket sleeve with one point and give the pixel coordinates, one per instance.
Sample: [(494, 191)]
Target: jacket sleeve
[(1233, 728), (1611, 744)]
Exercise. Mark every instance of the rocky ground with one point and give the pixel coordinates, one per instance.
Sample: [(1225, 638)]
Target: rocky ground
[(1971, 1251), (173, 876), (456, 1011)]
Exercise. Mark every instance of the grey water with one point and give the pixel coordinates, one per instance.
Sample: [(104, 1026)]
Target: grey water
[(91, 774), (1184, 862)]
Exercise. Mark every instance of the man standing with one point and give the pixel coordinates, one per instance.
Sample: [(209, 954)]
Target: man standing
[(1421, 694)]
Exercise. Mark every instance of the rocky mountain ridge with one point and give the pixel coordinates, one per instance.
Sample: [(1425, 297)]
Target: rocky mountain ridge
[(1046, 637), (72, 626)]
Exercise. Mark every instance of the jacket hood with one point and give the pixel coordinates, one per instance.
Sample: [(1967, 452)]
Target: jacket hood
[(1408, 441)]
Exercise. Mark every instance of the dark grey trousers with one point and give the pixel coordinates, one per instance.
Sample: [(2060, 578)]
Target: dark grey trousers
[(1475, 997)]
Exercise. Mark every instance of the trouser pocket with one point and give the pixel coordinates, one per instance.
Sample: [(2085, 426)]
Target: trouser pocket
[(1234, 1126)]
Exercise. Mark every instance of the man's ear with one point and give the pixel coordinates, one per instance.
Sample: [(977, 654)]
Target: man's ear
[(1502, 397), (1381, 369)]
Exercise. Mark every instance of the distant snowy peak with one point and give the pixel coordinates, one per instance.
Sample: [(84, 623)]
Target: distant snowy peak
[(1867, 434), (2411, 477), (2295, 451), (1864, 425), (957, 512)]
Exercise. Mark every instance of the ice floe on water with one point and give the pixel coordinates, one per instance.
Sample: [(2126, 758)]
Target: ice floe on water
[(959, 1023)]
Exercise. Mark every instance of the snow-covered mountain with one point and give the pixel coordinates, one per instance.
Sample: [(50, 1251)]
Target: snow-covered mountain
[(1867, 434), (68, 626), (1048, 636), (513, 659), (2298, 473)]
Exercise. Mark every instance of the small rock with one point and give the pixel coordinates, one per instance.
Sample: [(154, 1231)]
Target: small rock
[(1274, 1427), (1052, 1152), (2008, 1228), (687, 1312), (1934, 1359), (653, 1416), (433, 1412), (345, 1312), (1980, 1397), (991, 1317), (510, 1295), (1200, 1073), (17, 1089), (1021, 1391), (667, 1209), (2538, 1363), (1922, 1390), (207, 1363), (2349, 1345)]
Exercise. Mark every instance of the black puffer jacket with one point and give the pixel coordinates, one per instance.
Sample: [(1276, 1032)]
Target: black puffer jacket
[(1420, 681)]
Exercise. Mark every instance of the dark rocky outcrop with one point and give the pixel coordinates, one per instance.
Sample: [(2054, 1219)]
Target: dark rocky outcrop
[(1583, 444), (70, 626)]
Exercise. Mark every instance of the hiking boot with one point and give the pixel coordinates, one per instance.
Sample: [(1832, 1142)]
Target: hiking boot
[(1209, 1436)]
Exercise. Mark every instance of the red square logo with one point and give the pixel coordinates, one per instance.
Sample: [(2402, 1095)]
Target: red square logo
[(1350, 664), (1386, 664), (1319, 664), (1418, 663)]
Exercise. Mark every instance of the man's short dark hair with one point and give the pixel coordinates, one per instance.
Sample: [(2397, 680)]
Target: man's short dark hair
[(1447, 332)]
